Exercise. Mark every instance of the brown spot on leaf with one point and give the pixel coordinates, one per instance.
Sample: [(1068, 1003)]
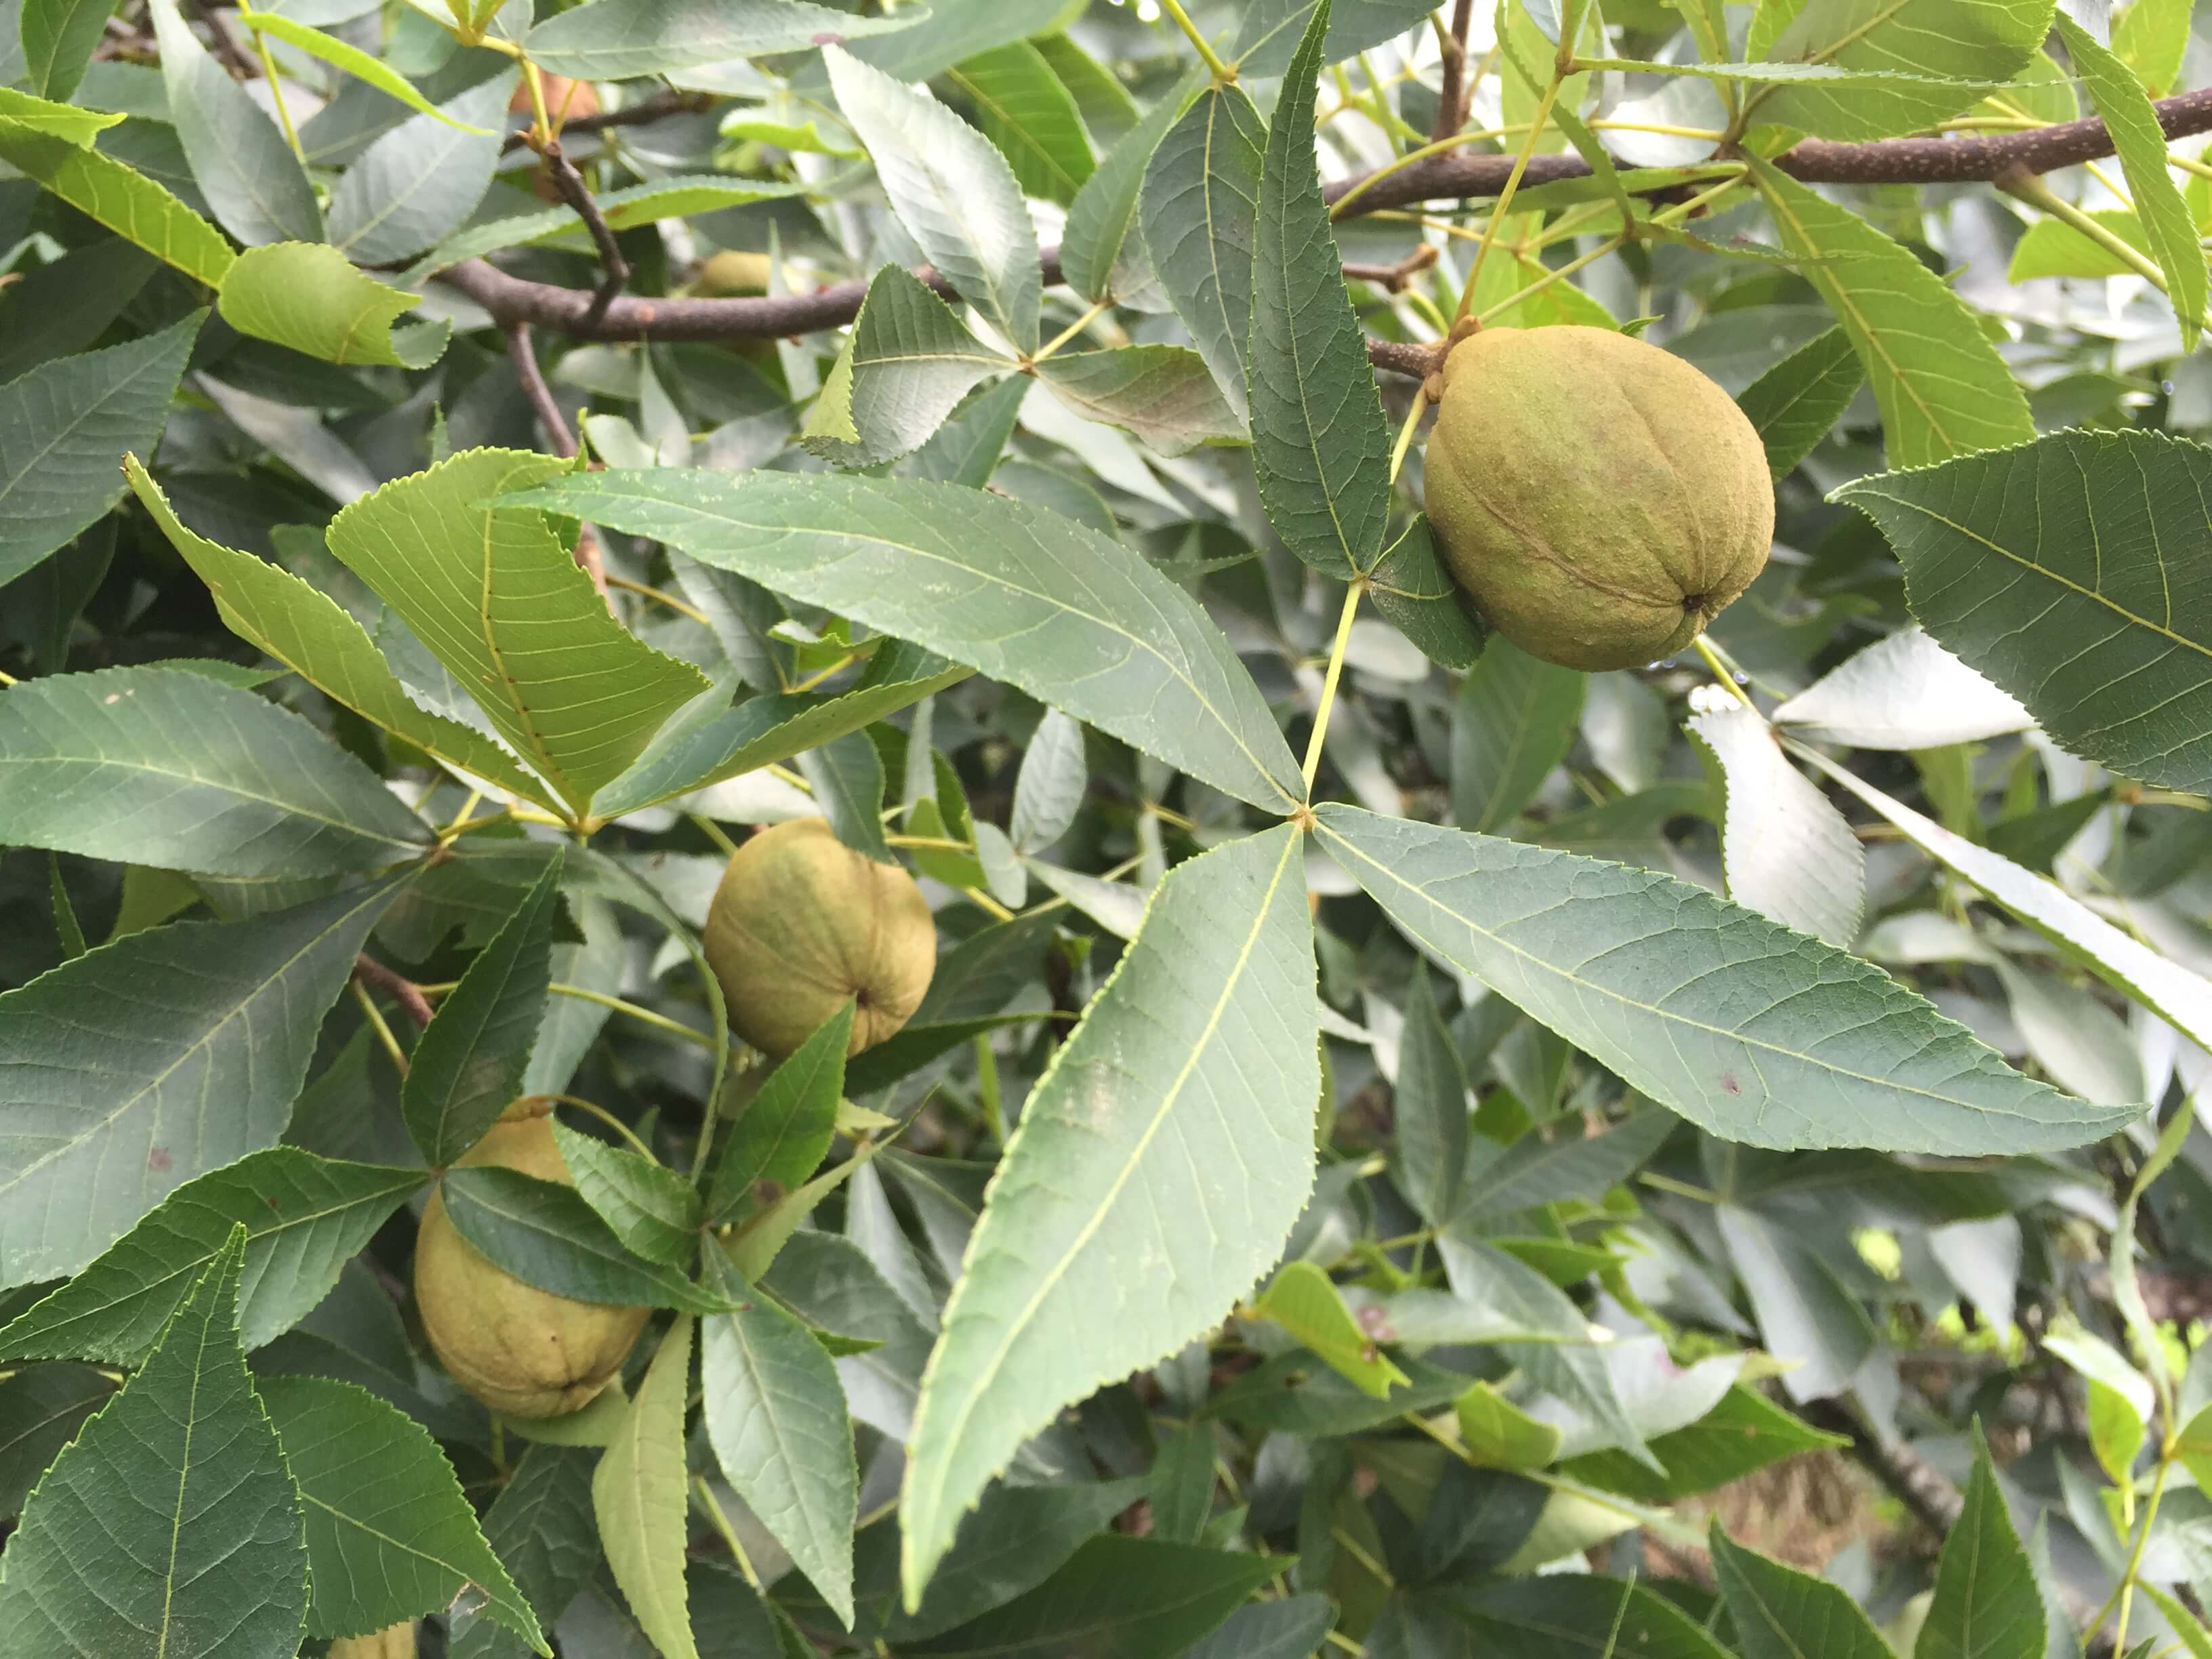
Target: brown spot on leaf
[(1729, 1084), (159, 1160)]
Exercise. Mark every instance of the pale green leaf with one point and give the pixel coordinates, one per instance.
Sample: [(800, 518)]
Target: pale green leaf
[(1942, 389), (1157, 1169), (254, 184), (1830, 99), (494, 595), (1302, 1300), (422, 180), (1754, 1032), (1964, 42), (120, 197), (2168, 225), (641, 1499), (1026, 596), (951, 190), (1787, 851), (681, 196), (79, 127), (624, 39), (309, 632), (1904, 691), (306, 296), (2177, 995), (1270, 30), (350, 59)]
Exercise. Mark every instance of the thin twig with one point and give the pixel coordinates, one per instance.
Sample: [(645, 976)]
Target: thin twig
[(401, 989), (525, 358), (659, 106), (1397, 277), (1966, 158), (235, 57), (588, 554), (1451, 96), (570, 183)]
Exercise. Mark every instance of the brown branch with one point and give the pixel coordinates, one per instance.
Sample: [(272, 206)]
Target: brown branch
[(646, 110), (238, 61), (1451, 99), (570, 183), (402, 990), (1968, 158), (1396, 278), (524, 355), (1402, 358)]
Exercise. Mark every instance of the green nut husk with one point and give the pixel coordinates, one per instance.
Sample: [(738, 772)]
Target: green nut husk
[(395, 1642), (800, 922), (523, 1352), (1599, 499)]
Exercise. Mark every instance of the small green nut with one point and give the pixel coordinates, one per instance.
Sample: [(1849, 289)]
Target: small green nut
[(523, 1352), (800, 922), (1599, 499)]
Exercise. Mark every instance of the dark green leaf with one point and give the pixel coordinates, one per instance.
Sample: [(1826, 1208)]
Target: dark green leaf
[(469, 1062), (305, 1217), (108, 1064), (390, 1535), (1199, 1051), (65, 425), (1797, 403), (546, 1235), (1514, 720), (785, 1128), (1059, 610), (1187, 1592), (169, 1526), (1812, 1048), (2087, 528), (1986, 1605), (1777, 1609), (1319, 443), (776, 1417), (152, 766), (1199, 210)]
